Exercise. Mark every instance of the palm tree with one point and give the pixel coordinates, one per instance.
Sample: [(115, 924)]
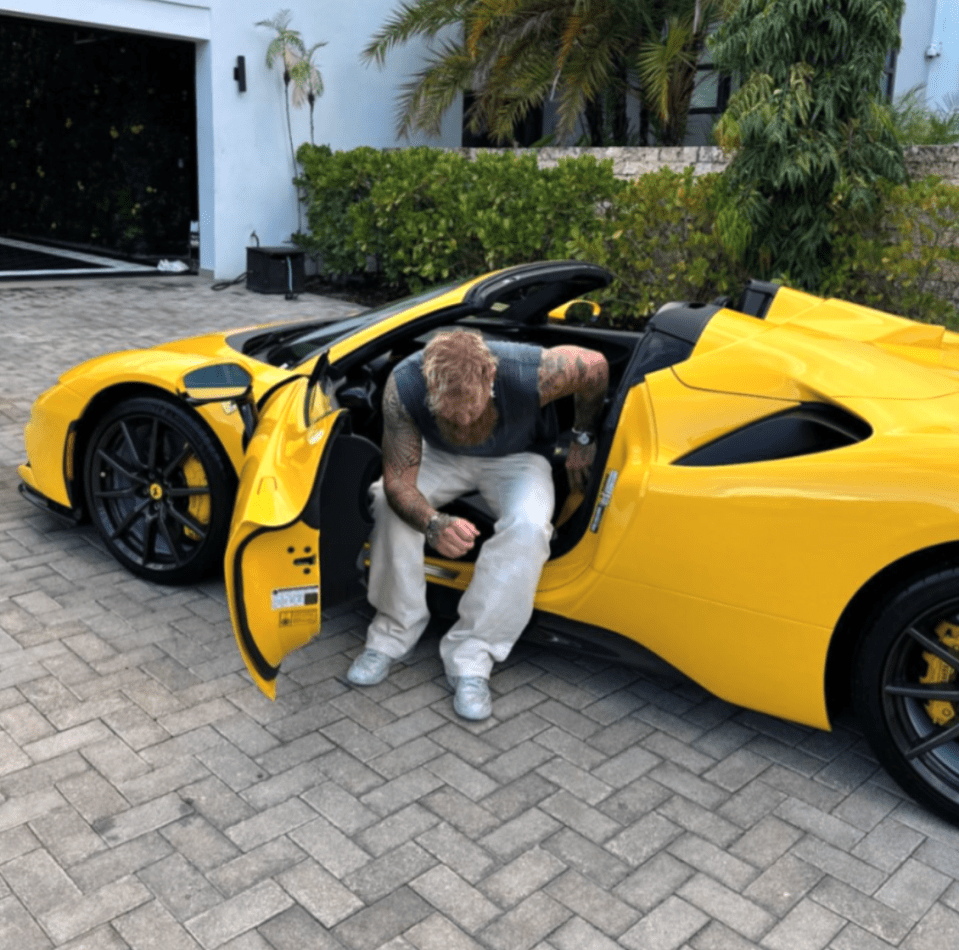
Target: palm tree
[(307, 82), (516, 54), (667, 65), (287, 46)]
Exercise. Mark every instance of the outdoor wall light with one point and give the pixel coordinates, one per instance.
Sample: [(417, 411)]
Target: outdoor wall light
[(239, 73)]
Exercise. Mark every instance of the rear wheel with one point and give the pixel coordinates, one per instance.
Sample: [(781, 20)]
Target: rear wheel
[(159, 491), (906, 690)]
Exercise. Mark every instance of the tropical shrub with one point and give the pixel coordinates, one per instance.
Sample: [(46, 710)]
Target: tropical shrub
[(905, 258), (419, 216), (657, 237), (808, 134)]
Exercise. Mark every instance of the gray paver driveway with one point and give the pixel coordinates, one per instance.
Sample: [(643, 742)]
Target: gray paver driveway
[(150, 797)]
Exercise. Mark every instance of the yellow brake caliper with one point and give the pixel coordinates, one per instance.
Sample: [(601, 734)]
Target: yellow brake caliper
[(199, 508), (938, 672)]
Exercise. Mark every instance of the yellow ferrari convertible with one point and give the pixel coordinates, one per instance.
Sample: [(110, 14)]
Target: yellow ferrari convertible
[(774, 510)]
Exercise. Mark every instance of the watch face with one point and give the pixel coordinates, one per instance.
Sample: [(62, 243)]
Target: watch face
[(584, 438)]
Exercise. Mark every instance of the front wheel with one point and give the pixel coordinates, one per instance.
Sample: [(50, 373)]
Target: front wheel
[(906, 690), (159, 491)]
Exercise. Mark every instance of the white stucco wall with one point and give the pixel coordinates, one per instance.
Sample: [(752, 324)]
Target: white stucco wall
[(929, 56), (245, 168)]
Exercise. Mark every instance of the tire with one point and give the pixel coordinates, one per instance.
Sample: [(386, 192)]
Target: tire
[(159, 491), (906, 690)]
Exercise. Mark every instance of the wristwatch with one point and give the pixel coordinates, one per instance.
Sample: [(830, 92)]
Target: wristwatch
[(583, 438)]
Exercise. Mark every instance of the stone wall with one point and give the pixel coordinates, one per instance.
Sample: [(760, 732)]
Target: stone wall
[(921, 160)]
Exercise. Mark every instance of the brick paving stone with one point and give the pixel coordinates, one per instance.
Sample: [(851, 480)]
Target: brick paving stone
[(433, 933), (667, 927), (852, 937), (577, 934), (866, 807), (374, 926), (593, 903), (385, 874), (397, 829), (87, 912), (278, 820), (913, 889), (515, 797), (66, 836), (868, 913), (716, 862), (39, 882), (726, 905), (401, 791), (119, 862), (330, 847), (526, 924), (319, 892), (816, 822), (152, 927), (520, 834), (266, 861), (839, 864), (783, 884), (456, 851), (411, 755), (939, 928), (808, 926), (644, 838), (19, 929), (580, 817), (523, 876), (294, 929), (455, 898), (116, 829), (199, 842), (239, 914), (181, 888), (652, 883)]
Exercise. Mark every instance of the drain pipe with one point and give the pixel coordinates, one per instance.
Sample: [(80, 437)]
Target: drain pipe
[(934, 49)]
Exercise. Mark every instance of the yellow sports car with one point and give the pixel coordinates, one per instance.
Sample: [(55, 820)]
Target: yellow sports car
[(774, 510)]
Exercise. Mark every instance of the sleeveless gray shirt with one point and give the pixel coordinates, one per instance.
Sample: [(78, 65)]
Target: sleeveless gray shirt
[(523, 425)]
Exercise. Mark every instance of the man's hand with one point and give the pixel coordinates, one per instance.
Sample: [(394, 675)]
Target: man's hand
[(451, 537), (579, 464)]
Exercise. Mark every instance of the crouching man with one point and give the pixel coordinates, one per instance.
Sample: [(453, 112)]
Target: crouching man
[(465, 415)]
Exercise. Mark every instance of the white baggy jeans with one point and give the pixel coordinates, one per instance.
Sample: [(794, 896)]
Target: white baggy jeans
[(498, 603)]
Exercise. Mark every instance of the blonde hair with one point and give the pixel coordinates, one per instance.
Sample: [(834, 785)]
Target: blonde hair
[(456, 361)]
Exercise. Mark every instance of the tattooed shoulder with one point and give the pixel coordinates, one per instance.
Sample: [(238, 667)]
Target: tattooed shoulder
[(554, 374), (402, 442)]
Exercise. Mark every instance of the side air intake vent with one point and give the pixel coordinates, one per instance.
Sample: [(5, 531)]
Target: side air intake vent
[(802, 430)]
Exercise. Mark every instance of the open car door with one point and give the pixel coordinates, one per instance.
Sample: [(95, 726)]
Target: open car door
[(299, 526)]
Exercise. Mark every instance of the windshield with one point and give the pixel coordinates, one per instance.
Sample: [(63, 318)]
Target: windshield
[(312, 341)]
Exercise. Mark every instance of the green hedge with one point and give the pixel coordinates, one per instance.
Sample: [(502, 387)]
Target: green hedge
[(656, 236), (905, 259), (420, 216)]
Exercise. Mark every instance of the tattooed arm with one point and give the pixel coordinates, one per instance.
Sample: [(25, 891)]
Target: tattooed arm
[(584, 375), (402, 453)]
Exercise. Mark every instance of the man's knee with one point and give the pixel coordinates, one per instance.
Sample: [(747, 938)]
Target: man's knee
[(528, 534)]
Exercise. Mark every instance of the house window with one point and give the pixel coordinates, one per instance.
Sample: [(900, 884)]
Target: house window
[(525, 133)]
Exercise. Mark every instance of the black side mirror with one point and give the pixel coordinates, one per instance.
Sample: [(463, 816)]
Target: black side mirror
[(222, 382)]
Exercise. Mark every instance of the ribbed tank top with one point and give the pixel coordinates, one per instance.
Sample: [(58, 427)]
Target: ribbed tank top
[(523, 425)]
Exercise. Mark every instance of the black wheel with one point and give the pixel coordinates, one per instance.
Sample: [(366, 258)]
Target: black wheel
[(159, 490), (906, 690)]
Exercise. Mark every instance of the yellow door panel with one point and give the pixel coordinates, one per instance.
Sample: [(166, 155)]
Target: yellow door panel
[(277, 592), (272, 565)]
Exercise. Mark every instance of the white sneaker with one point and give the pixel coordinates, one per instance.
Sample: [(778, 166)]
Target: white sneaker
[(369, 668), (472, 699)]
